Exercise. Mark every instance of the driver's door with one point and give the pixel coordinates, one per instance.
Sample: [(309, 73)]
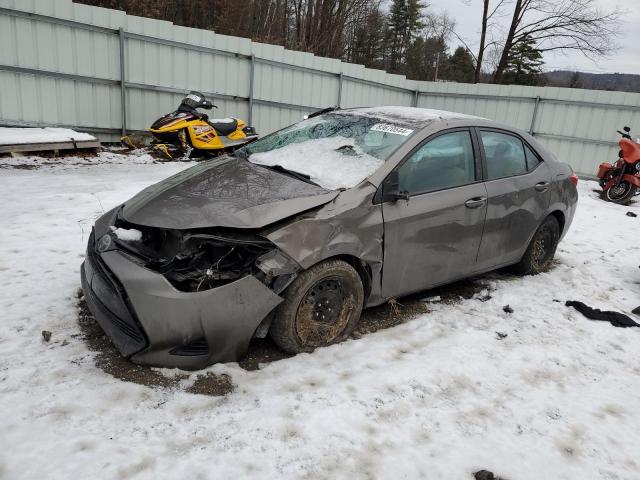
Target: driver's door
[(434, 236)]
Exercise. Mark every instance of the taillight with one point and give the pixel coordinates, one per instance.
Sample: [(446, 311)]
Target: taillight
[(574, 179)]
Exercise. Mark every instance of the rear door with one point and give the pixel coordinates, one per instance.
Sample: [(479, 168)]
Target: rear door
[(518, 188), (433, 237)]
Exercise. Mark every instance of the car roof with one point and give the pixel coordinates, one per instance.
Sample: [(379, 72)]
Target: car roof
[(413, 116)]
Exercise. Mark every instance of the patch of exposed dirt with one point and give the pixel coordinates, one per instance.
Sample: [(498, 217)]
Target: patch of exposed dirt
[(50, 157), (390, 314), (20, 167), (261, 351), (211, 384), (86, 157), (79, 152), (462, 290), (110, 361), (108, 358)]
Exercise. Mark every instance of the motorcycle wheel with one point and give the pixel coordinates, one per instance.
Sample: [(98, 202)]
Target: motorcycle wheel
[(621, 193)]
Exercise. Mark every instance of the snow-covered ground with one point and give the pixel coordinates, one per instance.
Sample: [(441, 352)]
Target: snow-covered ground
[(437, 397)]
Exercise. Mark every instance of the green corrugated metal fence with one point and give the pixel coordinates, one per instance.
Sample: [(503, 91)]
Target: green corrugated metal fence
[(104, 71)]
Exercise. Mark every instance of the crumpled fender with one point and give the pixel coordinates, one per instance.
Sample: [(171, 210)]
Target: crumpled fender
[(350, 225)]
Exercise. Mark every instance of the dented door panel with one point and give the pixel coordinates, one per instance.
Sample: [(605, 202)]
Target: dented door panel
[(431, 238)]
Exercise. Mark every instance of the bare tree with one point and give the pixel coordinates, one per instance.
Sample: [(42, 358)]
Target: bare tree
[(318, 26), (559, 25), (490, 17), (439, 25), (486, 26), (483, 36)]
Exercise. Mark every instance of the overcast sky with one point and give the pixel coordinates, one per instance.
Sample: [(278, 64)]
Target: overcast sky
[(626, 60)]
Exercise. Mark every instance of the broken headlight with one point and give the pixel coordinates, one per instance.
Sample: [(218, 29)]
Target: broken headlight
[(194, 261), (206, 260)]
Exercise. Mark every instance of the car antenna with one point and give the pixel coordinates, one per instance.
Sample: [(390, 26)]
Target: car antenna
[(320, 112)]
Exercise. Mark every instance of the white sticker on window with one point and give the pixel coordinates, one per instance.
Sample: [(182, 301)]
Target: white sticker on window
[(193, 97), (388, 128)]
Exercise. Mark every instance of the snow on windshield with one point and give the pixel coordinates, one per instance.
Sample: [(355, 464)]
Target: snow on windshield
[(333, 162)]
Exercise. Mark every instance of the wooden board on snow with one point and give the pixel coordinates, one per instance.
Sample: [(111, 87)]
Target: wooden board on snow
[(27, 139)]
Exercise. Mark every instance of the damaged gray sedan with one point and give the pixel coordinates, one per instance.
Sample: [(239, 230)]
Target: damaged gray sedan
[(294, 234)]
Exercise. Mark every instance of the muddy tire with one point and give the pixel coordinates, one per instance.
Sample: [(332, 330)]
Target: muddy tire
[(621, 194), (541, 250), (321, 307)]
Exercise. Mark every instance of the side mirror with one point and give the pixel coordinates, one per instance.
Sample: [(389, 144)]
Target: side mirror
[(627, 129), (391, 189)]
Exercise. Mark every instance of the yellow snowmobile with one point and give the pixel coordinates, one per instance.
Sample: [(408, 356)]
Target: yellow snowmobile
[(187, 131)]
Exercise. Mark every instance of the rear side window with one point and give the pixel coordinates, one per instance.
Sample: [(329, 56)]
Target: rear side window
[(447, 161), (532, 159), (504, 153)]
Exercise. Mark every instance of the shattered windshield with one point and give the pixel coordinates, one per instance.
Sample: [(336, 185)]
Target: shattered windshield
[(334, 150)]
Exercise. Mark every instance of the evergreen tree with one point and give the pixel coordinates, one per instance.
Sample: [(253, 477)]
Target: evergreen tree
[(403, 25), (524, 65), (460, 66), (424, 55), (367, 45)]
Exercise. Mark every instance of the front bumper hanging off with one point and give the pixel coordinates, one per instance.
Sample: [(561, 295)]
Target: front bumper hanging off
[(153, 323)]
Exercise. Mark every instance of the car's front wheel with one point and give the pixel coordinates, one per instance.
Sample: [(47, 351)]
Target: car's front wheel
[(321, 307), (541, 250)]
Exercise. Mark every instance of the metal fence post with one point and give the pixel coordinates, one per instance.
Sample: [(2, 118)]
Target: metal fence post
[(534, 115), (123, 84), (251, 76), (339, 90)]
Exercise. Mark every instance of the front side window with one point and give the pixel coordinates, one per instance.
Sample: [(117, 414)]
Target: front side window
[(504, 154), (446, 161)]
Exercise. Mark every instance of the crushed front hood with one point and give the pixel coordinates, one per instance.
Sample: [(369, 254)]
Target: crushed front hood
[(227, 192)]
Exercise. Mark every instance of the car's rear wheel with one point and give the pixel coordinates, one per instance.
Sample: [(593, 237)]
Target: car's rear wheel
[(541, 250), (321, 307)]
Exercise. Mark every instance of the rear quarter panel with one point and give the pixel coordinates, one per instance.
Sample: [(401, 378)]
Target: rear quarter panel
[(564, 194), (564, 197)]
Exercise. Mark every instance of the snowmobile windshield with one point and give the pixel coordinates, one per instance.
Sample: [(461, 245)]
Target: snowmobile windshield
[(334, 150)]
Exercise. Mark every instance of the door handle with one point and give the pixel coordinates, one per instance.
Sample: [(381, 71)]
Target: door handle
[(475, 202), (542, 186)]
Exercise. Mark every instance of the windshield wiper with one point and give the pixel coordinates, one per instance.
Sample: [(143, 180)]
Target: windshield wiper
[(321, 112), (292, 173)]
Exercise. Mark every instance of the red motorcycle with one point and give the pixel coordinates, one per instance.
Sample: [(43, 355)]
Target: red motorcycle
[(621, 181)]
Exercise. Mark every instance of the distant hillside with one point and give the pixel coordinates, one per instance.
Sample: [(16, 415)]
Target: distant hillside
[(597, 81)]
